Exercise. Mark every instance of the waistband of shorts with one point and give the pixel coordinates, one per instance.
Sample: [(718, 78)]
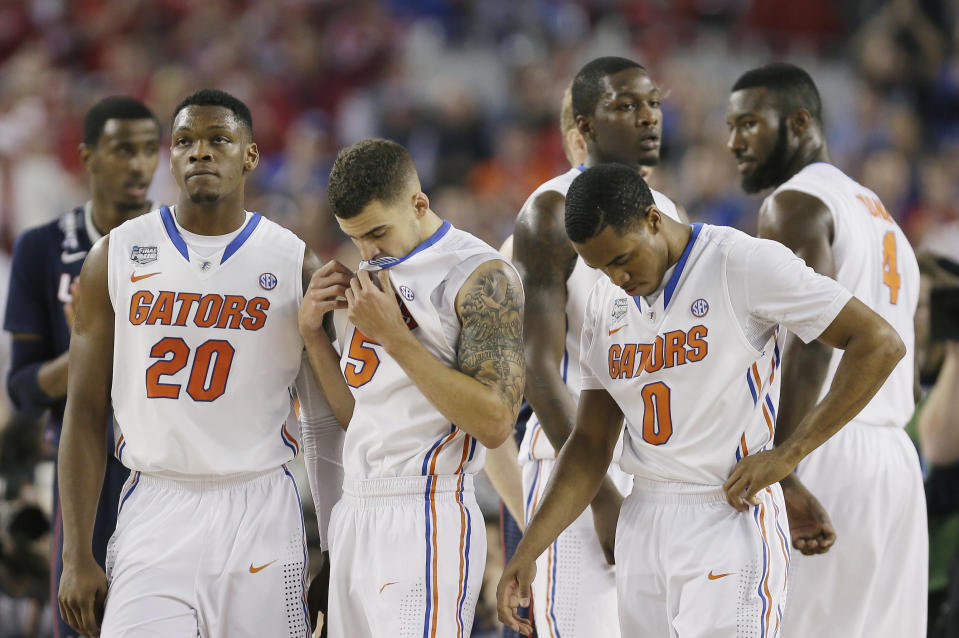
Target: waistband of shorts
[(405, 489), (208, 483), (651, 491)]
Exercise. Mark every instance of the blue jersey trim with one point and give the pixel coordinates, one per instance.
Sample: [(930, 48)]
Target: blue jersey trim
[(234, 245), (389, 262), (172, 231), (681, 264)]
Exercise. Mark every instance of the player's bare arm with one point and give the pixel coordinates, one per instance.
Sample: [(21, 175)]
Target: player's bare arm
[(802, 223), (482, 396), (872, 348), (580, 469), (82, 457), (545, 260), (324, 289)]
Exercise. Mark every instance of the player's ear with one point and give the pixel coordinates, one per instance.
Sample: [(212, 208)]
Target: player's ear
[(85, 153), (421, 203), (585, 126), (800, 121), (654, 218), (251, 157)]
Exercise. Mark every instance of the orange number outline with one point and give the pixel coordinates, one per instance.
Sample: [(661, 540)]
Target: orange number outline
[(657, 417), (361, 350), (890, 270), (198, 373)]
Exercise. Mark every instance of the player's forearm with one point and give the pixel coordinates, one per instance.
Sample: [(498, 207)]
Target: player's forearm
[(325, 363), (938, 437), (576, 480), (52, 377), (804, 370), (868, 360), (80, 466), (504, 473), (478, 409), (551, 400)]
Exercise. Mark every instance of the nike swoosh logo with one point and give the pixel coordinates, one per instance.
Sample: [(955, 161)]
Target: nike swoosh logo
[(713, 576), (69, 258), (135, 278), (387, 585), (254, 570), (617, 329)]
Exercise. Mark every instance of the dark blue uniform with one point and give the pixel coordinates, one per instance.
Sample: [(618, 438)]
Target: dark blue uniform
[(46, 259)]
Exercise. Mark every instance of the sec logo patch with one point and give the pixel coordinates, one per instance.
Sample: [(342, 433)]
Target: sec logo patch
[(407, 293), (267, 281), (699, 308)]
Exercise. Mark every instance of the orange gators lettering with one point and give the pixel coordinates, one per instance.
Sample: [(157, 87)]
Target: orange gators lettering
[(256, 313), (615, 357), (675, 352), (626, 366), (162, 308), (205, 311), (696, 340), (208, 310), (655, 361), (140, 306), (232, 312), (186, 299), (675, 348)]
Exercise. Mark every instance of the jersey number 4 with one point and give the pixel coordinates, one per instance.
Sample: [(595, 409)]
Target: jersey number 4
[(208, 376), (890, 270)]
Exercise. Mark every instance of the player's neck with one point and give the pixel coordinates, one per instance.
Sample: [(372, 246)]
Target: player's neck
[(215, 218), (677, 237), (429, 224), (107, 215), (810, 153)]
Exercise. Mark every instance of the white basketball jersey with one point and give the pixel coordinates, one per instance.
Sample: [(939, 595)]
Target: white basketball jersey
[(206, 348), (395, 430), (535, 444), (875, 261), (695, 372)]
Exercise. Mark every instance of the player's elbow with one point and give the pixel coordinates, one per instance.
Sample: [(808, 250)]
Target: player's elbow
[(498, 429), (889, 347)]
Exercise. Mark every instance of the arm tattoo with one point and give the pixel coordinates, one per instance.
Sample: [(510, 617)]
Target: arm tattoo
[(491, 340)]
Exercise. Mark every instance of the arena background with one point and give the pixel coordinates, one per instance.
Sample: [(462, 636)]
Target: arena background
[(472, 88)]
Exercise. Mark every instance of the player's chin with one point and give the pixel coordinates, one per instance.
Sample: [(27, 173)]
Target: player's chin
[(204, 197)]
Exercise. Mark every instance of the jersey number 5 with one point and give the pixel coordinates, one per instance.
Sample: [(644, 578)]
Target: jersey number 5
[(366, 360), (657, 420), (890, 270), (208, 376)]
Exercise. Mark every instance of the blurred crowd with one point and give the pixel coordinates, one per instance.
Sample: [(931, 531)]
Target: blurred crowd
[(473, 89)]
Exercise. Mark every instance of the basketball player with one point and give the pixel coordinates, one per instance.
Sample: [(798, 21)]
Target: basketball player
[(682, 338), (432, 374), (873, 582), (616, 110), (121, 138), (192, 311)]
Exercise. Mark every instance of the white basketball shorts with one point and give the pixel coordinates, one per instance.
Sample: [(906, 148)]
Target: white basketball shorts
[(407, 558), (690, 566), (219, 558)]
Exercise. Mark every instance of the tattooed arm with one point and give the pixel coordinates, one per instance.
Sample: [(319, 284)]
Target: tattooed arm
[(482, 394)]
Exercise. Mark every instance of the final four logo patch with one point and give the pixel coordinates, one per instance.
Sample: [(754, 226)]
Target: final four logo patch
[(267, 281), (619, 309), (143, 254), (699, 308)]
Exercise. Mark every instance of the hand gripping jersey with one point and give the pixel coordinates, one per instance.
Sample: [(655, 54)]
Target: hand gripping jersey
[(206, 348), (875, 261), (695, 373), (395, 430), (535, 444)]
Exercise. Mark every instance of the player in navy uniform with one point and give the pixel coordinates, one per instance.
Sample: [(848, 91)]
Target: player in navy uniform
[(121, 137)]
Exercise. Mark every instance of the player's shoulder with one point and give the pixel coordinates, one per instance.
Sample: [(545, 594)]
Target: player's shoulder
[(49, 237), (547, 194)]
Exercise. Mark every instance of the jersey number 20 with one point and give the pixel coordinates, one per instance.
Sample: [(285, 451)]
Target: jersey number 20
[(208, 376)]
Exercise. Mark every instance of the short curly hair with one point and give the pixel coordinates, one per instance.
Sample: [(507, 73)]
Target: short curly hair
[(216, 97), (605, 195), (371, 170)]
